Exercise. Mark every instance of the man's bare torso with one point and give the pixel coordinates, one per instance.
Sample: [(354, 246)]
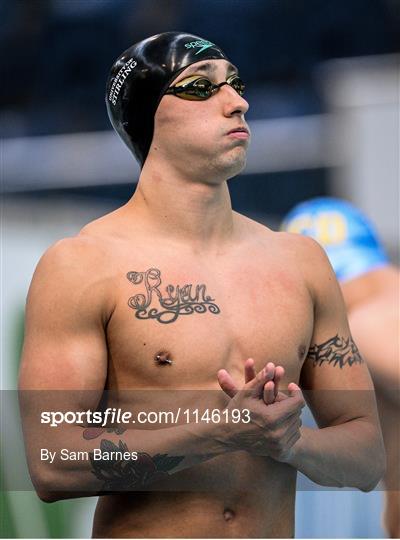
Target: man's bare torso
[(178, 316)]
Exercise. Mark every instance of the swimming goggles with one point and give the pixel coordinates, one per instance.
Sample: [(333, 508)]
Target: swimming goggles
[(197, 88)]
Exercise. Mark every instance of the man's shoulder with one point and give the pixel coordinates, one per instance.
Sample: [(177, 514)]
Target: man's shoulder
[(72, 262), (303, 247), (295, 244), (93, 242), (77, 250), (72, 272), (303, 255)]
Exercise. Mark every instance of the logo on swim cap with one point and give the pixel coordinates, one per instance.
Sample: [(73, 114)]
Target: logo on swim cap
[(120, 79), (201, 43)]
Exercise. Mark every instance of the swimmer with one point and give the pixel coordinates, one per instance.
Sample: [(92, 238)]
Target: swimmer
[(176, 294), (370, 286)]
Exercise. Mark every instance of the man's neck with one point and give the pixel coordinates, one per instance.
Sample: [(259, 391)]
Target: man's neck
[(184, 209)]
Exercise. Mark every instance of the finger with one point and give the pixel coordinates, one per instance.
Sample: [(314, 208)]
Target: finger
[(227, 383), (249, 370), (295, 392), (269, 394), (256, 385), (279, 373), (270, 371)]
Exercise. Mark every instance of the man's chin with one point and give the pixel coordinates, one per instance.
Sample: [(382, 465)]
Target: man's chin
[(226, 165), (236, 164)]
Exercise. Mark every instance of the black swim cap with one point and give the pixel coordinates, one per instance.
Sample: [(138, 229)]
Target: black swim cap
[(140, 77)]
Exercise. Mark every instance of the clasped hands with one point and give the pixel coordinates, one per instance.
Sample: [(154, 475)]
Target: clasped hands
[(275, 422)]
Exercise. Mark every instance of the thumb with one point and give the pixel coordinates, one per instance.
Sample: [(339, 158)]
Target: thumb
[(295, 392), (227, 383)]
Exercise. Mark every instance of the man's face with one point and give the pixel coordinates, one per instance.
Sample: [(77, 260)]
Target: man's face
[(197, 136)]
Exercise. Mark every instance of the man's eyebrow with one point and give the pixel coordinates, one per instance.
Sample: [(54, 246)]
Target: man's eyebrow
[(209, 68)]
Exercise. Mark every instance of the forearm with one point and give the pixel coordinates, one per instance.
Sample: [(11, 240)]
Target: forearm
[(82, 467), (345, 455)]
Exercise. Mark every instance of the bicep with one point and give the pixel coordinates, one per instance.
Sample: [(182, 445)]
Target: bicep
[(334, 376)]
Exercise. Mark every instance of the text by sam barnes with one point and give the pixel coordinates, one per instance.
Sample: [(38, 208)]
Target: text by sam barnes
[(95, 455)]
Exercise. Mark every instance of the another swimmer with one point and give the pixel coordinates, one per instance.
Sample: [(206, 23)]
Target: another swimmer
[(370, 286), (173, 290)]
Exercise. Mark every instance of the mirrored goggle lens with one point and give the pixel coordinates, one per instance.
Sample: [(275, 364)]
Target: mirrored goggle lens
[(237, 84), (196, 89)]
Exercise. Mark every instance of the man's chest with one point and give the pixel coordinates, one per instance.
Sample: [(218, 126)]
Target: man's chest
[(177, 323)]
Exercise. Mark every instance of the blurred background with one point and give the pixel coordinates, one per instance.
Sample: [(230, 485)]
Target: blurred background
[(323, 86)]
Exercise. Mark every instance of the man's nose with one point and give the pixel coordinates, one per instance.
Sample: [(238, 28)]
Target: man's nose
[(233, 103)]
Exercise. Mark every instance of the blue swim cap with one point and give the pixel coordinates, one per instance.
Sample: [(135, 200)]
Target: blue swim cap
[(348, 237)]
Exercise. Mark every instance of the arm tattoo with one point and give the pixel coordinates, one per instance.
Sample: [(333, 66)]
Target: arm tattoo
[(118, 473), (179, 300), (94, 432), (337, 351)]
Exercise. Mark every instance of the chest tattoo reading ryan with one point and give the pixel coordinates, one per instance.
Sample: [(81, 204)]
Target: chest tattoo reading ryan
[(179, 300)]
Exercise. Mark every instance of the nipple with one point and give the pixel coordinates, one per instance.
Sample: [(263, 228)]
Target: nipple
[(228, 514), (163, 358)]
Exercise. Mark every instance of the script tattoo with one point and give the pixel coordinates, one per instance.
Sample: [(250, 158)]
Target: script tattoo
[(337, 351), (122, 474), (177, 301)]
